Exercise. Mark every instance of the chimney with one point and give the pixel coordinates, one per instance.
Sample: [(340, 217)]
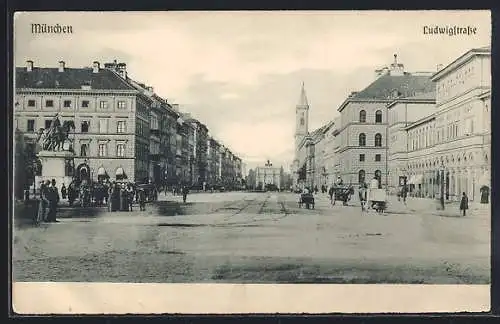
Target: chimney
[(61, 66), (29, 65), (151, 89), (395, 59), (95, 67)]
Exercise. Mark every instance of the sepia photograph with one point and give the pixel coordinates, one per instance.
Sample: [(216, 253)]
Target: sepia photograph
[(219, 154)]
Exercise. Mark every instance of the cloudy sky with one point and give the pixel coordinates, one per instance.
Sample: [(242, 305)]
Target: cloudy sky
[(240, 72)]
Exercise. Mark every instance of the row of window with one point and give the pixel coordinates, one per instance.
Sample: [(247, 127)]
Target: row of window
[(362, 176), (378, 116), (453, 130), (378, 158), (120, 104), (362, 139), (121, 125), (102, 150)]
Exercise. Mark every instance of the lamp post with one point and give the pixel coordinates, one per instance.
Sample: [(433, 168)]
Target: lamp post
[(441, 180)]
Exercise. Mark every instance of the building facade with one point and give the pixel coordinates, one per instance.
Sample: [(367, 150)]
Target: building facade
[(111, 117), (363, 124), (402, 114), (123, 129), (459, 141)]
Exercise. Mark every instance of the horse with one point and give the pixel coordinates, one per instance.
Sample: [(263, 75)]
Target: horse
[(54, 138), (62, 134)]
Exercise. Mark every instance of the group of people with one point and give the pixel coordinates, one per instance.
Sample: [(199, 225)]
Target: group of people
[(122, 196), (47, 204)]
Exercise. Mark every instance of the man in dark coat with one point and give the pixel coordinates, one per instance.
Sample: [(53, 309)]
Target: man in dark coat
[(464, 203), (53, 195), (63, 191), (142, 199), (185, 192), (331, 192)]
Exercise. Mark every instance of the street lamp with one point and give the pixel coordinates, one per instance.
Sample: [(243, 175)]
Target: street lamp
[(441, 180)]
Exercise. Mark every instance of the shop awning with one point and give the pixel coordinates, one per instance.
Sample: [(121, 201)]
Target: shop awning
[(120, 172), (418, 179), (101, 171)]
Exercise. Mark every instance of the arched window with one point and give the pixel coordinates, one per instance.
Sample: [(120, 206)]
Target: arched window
[(362, 116), (378, 116), (378, 139), (361, 176), (84, 150), (302, 122), (362, 139)]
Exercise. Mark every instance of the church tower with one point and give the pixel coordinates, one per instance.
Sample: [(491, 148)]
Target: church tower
[(301, 129), (301, 118)]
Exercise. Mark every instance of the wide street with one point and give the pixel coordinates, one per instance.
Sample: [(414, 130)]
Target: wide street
[(256, 238)]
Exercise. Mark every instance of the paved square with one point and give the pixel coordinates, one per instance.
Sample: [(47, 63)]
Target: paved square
[(257, 237)]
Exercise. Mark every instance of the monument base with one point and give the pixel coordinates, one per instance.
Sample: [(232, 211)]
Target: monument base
[(54, 167)]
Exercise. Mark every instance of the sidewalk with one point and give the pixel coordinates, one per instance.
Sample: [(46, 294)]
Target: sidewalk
[(417, 206), (432, 206)]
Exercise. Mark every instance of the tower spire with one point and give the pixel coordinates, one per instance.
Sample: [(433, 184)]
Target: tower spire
[(303, 97)]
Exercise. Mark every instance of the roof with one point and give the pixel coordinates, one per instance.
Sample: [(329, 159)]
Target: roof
[(426, 97), (423, 96), (485, 50), (71, 78), (406, 85), (420, 121)]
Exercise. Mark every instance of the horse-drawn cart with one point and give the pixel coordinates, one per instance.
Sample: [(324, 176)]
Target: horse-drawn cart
[(342, 193), (306, 199), (377, 199)]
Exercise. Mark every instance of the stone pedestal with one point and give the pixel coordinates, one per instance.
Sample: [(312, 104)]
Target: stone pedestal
[(54, 167)]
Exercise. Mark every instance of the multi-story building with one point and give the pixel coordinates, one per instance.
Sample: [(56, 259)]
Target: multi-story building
[(420, 163), (322, 140), (363, 127), (110, 115), (455, 142), (404, 113), (214, 162), (124, 130)]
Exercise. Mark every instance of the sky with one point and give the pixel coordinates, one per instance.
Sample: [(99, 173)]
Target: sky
[(240, 73)]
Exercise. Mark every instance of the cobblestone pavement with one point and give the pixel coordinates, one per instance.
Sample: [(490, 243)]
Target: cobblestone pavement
[(255, 237)]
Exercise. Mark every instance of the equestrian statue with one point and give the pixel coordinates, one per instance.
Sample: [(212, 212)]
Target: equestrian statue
[(54, 137)]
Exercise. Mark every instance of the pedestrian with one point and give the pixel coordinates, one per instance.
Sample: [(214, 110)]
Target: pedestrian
[(331, 192), (185, 192), (26, 195), (404, 193), (43, 204), (63, 191), (53, 194), (71, 194), (130, 197), (123, 198), (362, 196), (142, 199), (464, 203), (115, 197)]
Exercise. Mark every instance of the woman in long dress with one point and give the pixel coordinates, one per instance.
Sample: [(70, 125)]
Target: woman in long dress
[(42, 204)]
